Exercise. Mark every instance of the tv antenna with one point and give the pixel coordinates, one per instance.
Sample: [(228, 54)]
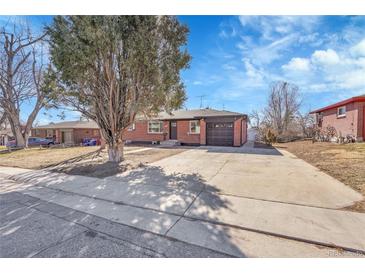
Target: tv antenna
[(201, 100)]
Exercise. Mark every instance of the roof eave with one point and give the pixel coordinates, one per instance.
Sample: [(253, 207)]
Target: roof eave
[(201, 116), (344, 102)]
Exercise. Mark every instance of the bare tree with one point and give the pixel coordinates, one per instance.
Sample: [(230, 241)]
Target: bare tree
[(256, 118), (306, 123), (2, 118), (21, 76), (283, 105)]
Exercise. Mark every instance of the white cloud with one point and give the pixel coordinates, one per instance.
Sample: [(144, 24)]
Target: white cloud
[(325, 57), (252, 72), (271, 26), (197, 83), (326, 61), (227, 33), (228, 67), (297, 64), (353, 79), (358, 49), (227, 30), (272, 51), (329, 71)]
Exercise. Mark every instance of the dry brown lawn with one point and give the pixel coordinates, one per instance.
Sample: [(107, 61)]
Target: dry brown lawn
[(344, 162), (87, 161), (37, 158), (97, 165)]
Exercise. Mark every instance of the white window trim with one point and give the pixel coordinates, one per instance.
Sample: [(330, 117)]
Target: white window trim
[(132, 127), (338, 111), (148, 127), (195, 121)]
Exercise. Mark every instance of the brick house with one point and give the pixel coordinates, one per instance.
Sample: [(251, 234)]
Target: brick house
[(5, 135), (187, 127), (347, 117), (70, 132), (192, 127)]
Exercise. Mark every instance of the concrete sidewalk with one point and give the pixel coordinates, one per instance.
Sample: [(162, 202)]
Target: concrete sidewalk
[(33, 228), (194, 212)]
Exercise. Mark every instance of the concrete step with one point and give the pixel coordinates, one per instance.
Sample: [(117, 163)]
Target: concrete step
[(170, 143)]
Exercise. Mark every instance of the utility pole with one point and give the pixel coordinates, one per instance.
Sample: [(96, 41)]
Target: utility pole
[(201, 100)]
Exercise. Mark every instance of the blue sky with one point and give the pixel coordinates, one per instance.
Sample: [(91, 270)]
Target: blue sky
[(236, 58)]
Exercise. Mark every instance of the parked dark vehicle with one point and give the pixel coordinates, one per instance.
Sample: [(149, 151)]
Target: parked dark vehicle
[(11, 143), (89, 142), (33, 141), (36, 141)]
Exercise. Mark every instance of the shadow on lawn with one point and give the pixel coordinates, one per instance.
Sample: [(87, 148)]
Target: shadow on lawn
[(140, 198), (91, 155)]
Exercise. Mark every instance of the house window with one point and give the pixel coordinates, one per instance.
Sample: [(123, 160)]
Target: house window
[(155, 127), (95, 132), (319, 119), (132, 127), (341, 111), (49, 133), (194, 127), (37, 132)]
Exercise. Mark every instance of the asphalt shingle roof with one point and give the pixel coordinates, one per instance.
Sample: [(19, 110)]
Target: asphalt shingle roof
[(197, 113), (175, 115), (71, 124)]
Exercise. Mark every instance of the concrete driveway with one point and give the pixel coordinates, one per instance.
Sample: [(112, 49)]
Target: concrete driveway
[(236, 201), (264, 174)]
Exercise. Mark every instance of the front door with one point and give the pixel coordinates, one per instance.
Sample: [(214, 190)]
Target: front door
[(173, 130), (66, 137)]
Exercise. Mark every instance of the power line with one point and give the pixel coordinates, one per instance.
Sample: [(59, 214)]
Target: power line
[(201, 99)]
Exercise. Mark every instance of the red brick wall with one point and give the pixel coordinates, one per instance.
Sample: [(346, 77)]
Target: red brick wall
[(203, 128), (140, 133), (80, 133), (58, 136), (344, 125), (361, 120), (237, 131), (244, 131), (183, 134), (41, 133)]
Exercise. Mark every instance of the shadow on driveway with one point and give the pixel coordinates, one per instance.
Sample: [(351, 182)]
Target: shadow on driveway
[(243, 150), (142, 198)]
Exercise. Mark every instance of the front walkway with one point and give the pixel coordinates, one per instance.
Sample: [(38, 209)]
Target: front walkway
[(241, 202)]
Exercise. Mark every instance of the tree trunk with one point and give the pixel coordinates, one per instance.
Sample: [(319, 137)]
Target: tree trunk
[(21, 140), (115, 152)]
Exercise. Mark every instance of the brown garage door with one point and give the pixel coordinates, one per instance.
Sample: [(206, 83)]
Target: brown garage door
[(220, 134)]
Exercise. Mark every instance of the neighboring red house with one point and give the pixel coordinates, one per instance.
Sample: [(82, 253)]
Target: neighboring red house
[(187, 127), (70, 132), (347, 117)]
